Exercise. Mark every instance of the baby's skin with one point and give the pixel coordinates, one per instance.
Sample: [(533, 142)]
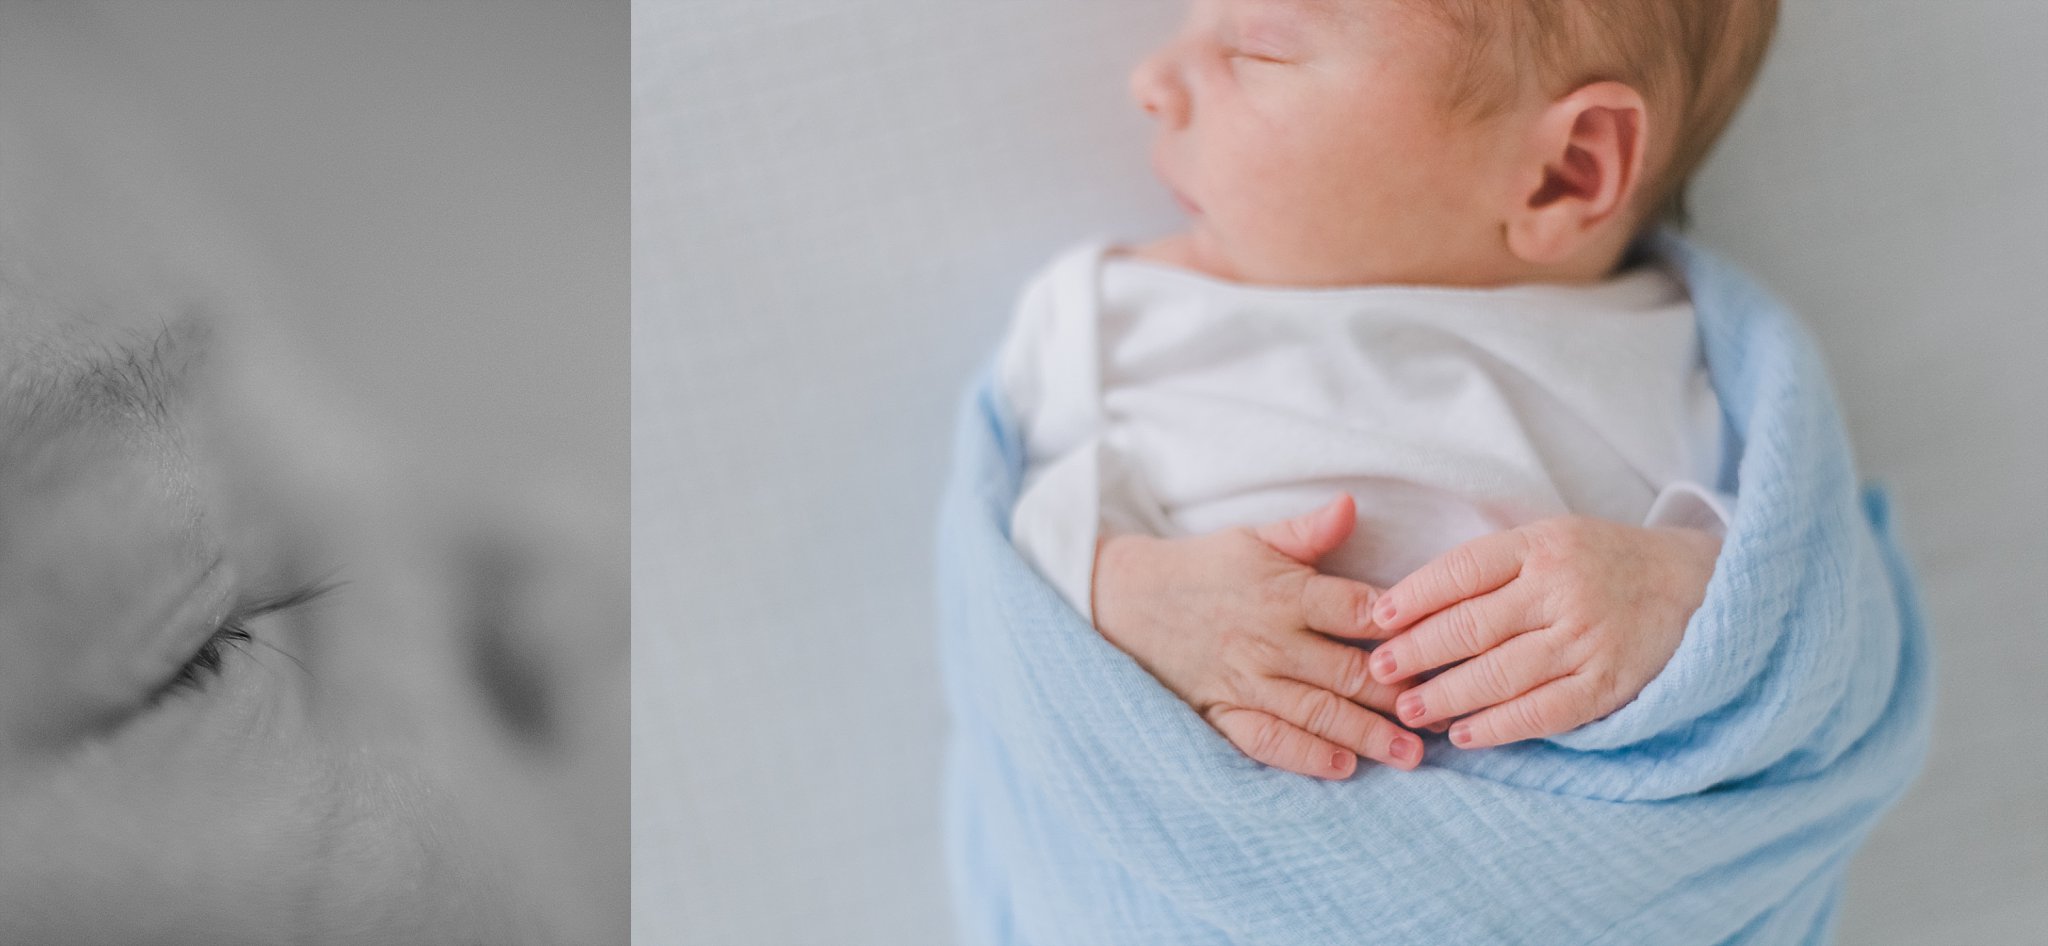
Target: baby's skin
[(1543, 628), (1311, 144)]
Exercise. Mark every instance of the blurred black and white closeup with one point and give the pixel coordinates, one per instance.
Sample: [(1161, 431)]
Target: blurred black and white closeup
[(313, 457)]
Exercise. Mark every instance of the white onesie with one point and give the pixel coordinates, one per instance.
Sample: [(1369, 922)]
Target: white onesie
[(1161, 401)]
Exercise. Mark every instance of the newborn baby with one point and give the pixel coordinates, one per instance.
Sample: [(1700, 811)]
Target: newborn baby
[(1406, 282)]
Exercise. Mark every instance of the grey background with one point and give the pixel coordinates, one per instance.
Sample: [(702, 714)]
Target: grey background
[(835, 203), (429, 200)]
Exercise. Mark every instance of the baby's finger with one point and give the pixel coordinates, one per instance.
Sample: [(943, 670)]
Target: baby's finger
[(1550, 709), (1340, 607), (1466, 629), (1472, 569), (1337, 668), (1282, 745), (1307, 538), (1341, 721), (1503, 673)]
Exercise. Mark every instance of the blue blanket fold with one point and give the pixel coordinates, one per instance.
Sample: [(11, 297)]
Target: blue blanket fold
[(1087, 804)]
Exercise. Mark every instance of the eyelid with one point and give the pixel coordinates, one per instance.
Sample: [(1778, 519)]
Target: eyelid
[(204, 661), (1262, 37), (187, 627), (1256, 57), (1237, 46)]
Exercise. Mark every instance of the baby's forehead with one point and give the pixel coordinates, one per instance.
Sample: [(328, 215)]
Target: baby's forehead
[(1313, 13), (1374, 24)]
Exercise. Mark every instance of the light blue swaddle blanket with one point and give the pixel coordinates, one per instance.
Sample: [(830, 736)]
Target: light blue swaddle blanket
[(1085, 803)]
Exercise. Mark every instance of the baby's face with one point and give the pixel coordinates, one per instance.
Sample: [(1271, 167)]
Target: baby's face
[(365, 768), (1309, 144)]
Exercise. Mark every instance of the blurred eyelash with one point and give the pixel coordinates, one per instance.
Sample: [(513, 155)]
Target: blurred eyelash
[(211, 657)]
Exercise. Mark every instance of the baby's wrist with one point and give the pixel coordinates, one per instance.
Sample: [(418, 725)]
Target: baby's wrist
[(1115, 557)]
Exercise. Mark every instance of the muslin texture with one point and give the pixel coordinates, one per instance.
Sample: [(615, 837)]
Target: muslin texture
[(1087, 804)]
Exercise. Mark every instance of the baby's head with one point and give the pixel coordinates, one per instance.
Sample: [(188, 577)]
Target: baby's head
[(1450, 142)]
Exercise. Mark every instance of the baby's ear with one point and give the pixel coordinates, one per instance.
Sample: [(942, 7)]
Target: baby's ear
[(1583, 165)]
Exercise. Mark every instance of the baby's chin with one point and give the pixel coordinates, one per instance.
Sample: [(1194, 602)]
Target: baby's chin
[(1190, 250), (1201, 250), (1197, 249), (1298, 263)]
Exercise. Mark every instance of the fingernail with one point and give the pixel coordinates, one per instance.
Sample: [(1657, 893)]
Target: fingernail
[(1385, 612), (1407, 749), (1410, 705), (1383, 664), (1338, 759), (1461, 734)]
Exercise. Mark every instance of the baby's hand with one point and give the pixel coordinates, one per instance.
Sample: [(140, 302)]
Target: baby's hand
[(1233, 622), (1559, 623)]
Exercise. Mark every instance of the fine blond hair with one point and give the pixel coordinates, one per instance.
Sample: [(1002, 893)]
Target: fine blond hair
[(1692, 60)]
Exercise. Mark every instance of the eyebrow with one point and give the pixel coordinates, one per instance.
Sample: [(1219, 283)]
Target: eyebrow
[(1286, 18), (1321, 11), (128, 380)]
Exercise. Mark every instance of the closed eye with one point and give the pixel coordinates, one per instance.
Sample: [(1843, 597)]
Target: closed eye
[(1237, 56), (210, 660), (207, 661)]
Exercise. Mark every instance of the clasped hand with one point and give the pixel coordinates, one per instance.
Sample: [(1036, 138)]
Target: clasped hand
[(1543, 628)]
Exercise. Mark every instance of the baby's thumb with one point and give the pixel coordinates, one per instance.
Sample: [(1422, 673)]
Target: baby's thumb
[(1307, 538)]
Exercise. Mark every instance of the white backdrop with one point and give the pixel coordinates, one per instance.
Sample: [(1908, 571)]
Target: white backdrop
[(834, 204)]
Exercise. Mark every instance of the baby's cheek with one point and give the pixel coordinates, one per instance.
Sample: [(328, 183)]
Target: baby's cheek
[(164, 832), (1297, 213)]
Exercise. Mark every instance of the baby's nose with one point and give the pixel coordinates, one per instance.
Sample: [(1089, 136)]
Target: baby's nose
[(1156, 87)]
